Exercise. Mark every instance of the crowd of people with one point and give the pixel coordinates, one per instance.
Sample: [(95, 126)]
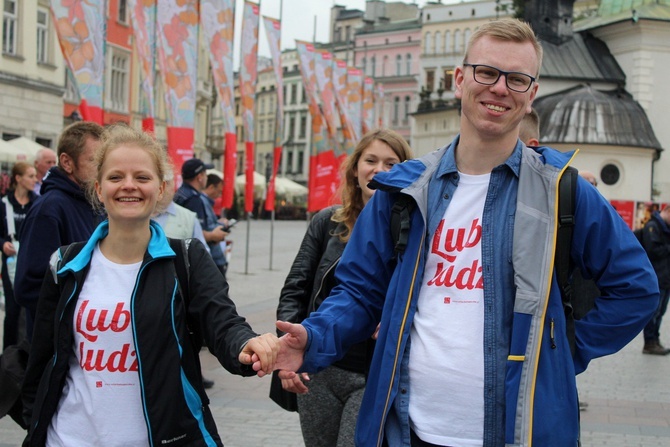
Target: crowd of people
[(448, 257)]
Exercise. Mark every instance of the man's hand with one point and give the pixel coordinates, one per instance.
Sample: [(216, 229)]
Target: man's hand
[(261, 352), (216, 235), (292, 349)]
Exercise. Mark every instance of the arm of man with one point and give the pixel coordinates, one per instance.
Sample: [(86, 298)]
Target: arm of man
[(41, 236), (606, 250), (352, 310)]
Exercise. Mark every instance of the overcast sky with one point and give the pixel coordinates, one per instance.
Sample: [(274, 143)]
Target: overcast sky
[(298, 20)]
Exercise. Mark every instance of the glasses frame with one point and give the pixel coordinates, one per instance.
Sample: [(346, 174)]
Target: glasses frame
[(500, 73)]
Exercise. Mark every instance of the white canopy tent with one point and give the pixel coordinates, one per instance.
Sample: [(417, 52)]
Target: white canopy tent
[(288, 189), (26, 145), (11, 154), (259, 184)]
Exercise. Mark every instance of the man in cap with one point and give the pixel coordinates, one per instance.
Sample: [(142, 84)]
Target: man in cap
[(190, 195)]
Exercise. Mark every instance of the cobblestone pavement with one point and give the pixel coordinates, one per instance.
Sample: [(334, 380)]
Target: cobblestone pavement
[(628, 394)]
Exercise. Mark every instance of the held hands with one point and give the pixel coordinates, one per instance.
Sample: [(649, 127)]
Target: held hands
[(289, 360), (261, 353)]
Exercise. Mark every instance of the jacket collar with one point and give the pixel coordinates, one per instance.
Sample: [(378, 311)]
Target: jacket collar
[(158, 247)]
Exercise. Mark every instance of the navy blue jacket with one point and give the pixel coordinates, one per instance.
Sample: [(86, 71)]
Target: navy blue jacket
[(60, 216)]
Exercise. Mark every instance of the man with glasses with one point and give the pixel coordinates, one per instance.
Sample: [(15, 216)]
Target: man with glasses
[(473, 297)]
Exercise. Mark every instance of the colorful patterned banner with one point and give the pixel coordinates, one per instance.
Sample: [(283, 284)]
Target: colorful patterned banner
[(248, 78), (81, 29), (379, 105), (144, 29), (340, 87), (218, 22), (177, 44), (217, 18), (323, 166), (368, 105), (273, 32), (355, 100), (323, 69)]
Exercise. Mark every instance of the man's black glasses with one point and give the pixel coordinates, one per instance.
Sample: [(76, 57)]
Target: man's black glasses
[(487, 75)]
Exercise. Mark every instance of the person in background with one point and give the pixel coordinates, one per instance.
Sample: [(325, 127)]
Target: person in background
[(329, 410), (61, 215), (45, 159), (191, 196), (177, 222), (589, 177), (13, 208), (529, 129), (472, 347), (656, 242), (114, 357)]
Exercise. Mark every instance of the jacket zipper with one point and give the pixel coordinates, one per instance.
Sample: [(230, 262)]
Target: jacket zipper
[(323, 278), (380, 434)]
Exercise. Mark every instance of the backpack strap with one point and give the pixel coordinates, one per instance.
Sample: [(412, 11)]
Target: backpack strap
[(182, 269), (566, 223), (400, 221)]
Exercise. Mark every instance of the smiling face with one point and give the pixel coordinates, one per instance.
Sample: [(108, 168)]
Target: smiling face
[(378, 156), (129, 184), (494, 111)]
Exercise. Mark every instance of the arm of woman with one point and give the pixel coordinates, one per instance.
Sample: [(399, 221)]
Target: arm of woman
[(227, 334), (294, 299), (42, 344)]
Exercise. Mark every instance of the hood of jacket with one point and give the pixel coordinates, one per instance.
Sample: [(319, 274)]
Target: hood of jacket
[(56, 179)]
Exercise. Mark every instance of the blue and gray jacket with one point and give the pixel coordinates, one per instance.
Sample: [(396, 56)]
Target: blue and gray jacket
[(530, 394)]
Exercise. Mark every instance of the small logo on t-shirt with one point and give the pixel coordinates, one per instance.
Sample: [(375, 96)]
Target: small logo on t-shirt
[(98, 384)]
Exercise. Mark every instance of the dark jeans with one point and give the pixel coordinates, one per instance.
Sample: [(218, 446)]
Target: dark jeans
[(651, 330)]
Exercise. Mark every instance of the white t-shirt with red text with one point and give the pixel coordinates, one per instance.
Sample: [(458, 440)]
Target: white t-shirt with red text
[(101, 402), (446, 366)]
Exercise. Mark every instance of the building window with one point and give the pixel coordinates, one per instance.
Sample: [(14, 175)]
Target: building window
[(448, 79), (303, 127), (447, 42), (438, 43), (405, 119), (262, 106), (408, 59), (348, 33), (337, 35), (10, 24), (457, 41), (396, 110), (261, 130), (428, 44), (271, 131), (42, 36), (291, 127), (384, 64), (118, 80), (285, 98), (364, 63), (304, 95), (301, 162), (123, 11), (430, 80), (373, 63), (294, 93), (398, 65)]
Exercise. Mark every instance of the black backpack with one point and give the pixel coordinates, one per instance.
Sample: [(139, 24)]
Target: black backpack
[(400, 226)]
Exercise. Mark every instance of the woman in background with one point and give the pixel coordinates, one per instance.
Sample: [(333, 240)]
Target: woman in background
[(13, 208), (328, 412)]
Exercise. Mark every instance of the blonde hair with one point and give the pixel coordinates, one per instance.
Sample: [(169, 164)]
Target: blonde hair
[(123, 135), (351, 194), (513, 30)]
